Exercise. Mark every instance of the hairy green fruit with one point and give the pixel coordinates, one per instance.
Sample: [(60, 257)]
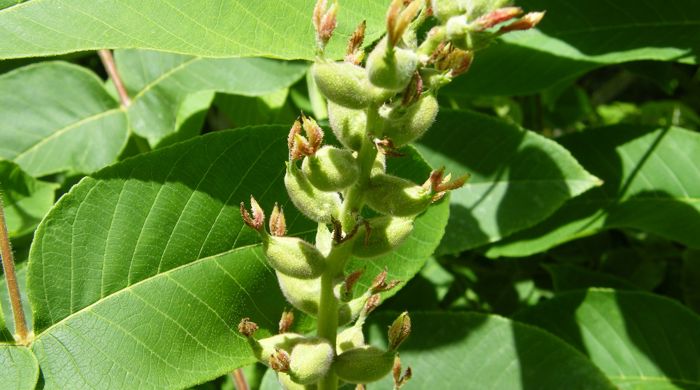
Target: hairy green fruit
[(263, 348), (287, 383), (294, 257), (363, 364), (348, 125), (304, 295), (391, 68), (331, 169), (404, 125), (318, 205), (349, 338), (395, 196), (445, 9), (379, 165), (385, 234), (346, 84), (310, 360)]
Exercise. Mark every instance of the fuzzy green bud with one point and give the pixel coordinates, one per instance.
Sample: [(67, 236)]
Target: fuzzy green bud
[(445, 9), (395, 196), (264, 348), (385, 233), (391, 67), (349, 338), (404, 125), (294, 257), (363, 364), (331, 169), (318, 205), (346, 84), (349, 125), (310, 360), (304, 295), (287, 383)]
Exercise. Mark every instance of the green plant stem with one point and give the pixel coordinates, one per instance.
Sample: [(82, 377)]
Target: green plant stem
[(328, 324), (8, 265), (353, 202), (352, 205)]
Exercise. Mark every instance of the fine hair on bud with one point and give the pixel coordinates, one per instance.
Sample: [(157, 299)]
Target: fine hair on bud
[(346, 84), (348, 125), (380, 235), (445, 9), (404, 125), (363, 364), (303, 294), (317, 205), (391, 68), (310, 360), (264, 348), (294, 257), (396, 196), (349, 338), (331, 169)]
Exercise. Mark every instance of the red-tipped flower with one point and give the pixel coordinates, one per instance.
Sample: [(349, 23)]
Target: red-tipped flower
[(300, 146), (324, 19), (398, 17), (257, 220), (495, 17), (527, 22), (278, 225), (354, 53)]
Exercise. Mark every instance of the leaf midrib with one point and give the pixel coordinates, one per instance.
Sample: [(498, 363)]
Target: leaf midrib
[(67, 128)]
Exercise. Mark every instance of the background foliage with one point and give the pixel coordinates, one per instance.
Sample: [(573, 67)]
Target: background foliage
[(570, 260)]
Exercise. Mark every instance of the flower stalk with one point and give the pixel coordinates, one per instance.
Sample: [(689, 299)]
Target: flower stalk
[(373, 109)]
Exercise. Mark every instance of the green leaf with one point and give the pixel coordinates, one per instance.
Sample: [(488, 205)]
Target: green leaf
[(159, 83), (640, 340), (175, 329), (476, 351), (237, 28), (577, 37), (57, 117), (651, 183), (26, 199), (239, 111), (570, 277), (19, 369), (518, 177), (134, 261), (9, 3)]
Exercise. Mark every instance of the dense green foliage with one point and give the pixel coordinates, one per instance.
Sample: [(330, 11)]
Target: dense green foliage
[(570, 260)]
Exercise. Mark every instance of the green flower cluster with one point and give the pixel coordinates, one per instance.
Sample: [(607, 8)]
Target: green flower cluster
[(373, 110)]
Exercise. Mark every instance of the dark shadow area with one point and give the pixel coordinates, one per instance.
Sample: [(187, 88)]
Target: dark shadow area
[(646, 335), (493, 73), (666, 333), (626, 26), (502, 153), (514, 177), (526, 200), (597, 151)]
